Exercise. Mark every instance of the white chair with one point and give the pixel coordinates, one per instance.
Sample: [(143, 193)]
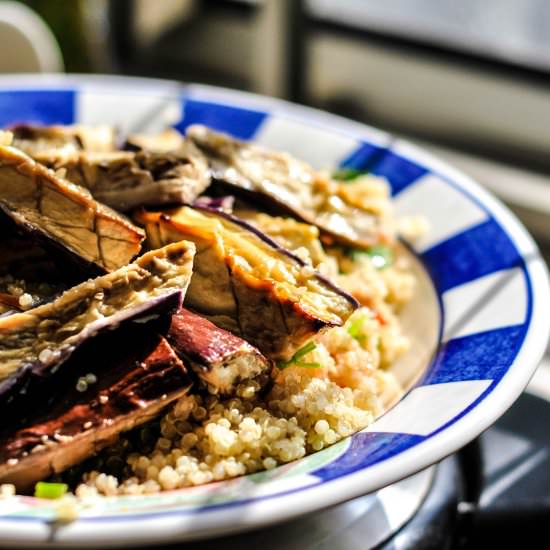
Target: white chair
[(26, 43)]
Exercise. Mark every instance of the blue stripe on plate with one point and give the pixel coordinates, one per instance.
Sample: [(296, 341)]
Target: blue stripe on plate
[(399, 171), (380, 161), (239, 122), (486, 355), (366, 449), (363, 157), (481, 250), (37, 106)]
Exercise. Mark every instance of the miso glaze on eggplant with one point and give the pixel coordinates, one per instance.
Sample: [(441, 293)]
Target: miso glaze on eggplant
[(36, 343), (348, 213), (246, 283), (62, 215)]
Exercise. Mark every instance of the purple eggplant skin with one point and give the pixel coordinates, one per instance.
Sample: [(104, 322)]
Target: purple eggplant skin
[(220, 359), (224, 203), (31, 376), (36, 343), (136, 376)]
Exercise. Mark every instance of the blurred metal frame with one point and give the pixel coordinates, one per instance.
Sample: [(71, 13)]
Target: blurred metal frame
[(279, 45), (122, 40), (281, 36)]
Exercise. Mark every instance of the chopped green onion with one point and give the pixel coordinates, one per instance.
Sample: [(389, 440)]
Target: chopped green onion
[(355, 328), (310, 346), (44, 489), (308, 365), (347, 174), (295, 359), (380, 255)]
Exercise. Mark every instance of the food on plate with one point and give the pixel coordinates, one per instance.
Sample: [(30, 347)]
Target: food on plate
[(289, 233), (167, 141), (222, 335), (220, 359), (35, 140), (355, 213), (124, 381), (63, 216), (36, 343), (127, 179), (246, 283)]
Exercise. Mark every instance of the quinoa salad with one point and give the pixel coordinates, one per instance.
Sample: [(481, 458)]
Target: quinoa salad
[(184, 309)]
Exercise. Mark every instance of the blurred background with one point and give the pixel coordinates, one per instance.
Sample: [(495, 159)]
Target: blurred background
[(470, 80)]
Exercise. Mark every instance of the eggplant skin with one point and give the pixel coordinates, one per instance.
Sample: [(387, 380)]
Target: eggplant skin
[(247, 284), (225, 203), (137, 379), (64, 216), (219, 358), (353, 214), (36, 343)]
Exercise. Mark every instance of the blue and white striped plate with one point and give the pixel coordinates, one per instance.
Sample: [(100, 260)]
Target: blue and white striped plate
[(484, 271)]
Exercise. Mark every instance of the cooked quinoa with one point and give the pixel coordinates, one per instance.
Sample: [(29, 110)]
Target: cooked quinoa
[(18, 294), (335, 385), (344, 386), (207, 438)]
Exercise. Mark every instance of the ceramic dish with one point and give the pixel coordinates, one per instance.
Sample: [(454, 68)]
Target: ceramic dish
[(478, 323)]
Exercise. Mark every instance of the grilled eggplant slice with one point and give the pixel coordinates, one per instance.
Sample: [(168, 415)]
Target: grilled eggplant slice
[(63, 215), (36, 140), (131, 384), (34, 344), (167, 141), (124, 180), (219, 358), (154, 170), (351, 213), (246, 283), (289, 233)]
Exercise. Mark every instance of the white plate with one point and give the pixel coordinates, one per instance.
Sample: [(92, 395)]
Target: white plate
[(479, 321)]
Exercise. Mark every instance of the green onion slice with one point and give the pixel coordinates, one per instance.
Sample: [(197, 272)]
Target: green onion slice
[(310, 346), (347, 174), (45, 489), (295, 359), (355, 327), (380, 255)]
